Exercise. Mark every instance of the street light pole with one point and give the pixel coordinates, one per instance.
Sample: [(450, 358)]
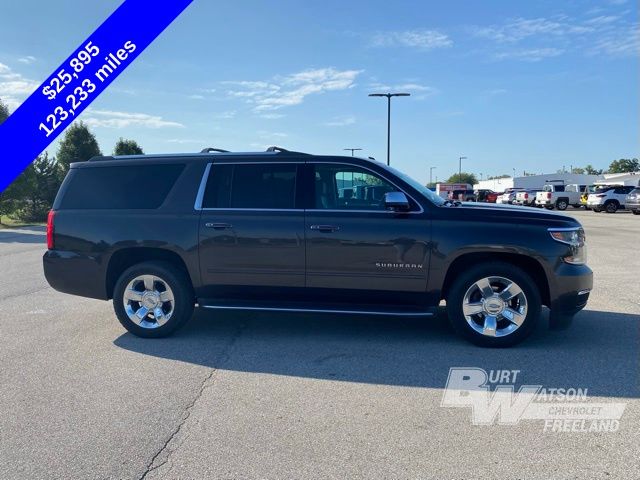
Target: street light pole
[(389, 95), (352, 150), (460, 167), (431, 175)]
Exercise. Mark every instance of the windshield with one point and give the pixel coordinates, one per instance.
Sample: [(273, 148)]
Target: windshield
[(432, 196)]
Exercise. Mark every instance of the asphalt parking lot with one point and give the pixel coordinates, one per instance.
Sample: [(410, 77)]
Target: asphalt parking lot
[(248, 395)]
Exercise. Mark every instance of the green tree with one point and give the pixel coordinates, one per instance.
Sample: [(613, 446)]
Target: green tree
[(578, 170), (496, 177), (127, 147), (7, 197), (624, 165), (590, 170), (78, 145), (36, 189), (4, 112), (463, 178)]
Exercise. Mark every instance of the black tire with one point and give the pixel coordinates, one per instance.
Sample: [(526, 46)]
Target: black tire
[(611, 206), (635, 212), (597, 209), (165, 273), (577, 206), (562, 204), (549, 207), (466, 281)]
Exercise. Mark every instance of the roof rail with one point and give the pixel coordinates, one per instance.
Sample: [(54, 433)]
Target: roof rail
[(277, 149), (211, 149), (99, 158), (284, 150)]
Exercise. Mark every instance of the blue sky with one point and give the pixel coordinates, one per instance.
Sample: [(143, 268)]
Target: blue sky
[(533, 85)]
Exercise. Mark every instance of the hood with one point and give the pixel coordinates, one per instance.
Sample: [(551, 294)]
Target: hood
[(511, 213)]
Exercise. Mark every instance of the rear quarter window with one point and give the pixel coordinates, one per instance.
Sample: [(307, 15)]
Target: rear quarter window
[(120, 187)]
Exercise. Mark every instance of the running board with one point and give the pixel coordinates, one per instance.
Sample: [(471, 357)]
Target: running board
[(393, 313)]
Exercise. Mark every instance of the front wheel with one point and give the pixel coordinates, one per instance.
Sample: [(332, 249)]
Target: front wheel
[(636, 212), (153, 299), (494, 305)]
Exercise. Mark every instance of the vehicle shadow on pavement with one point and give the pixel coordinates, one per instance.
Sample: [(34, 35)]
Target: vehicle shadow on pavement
[(599, 352)]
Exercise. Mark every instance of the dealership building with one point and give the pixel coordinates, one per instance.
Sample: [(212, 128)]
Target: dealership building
[(537, 181)]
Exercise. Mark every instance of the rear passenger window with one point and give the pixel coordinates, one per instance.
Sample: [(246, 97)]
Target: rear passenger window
[(121, 187), (254, 186)]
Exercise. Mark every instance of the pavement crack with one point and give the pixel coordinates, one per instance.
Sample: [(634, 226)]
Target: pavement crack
[(163, 456)]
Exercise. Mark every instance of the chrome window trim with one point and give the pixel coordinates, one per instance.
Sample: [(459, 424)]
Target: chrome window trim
[(253, 209), (296, 162), (207, 170), (203, 186)]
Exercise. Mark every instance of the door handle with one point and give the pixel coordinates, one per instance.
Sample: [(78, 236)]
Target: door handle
[(325, 228), (219, 226)]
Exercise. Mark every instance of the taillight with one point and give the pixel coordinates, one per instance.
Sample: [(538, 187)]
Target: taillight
[(50, 217), (526, 196), (548, 195)]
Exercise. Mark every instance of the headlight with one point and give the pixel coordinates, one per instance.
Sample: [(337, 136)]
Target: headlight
[(575, 238)]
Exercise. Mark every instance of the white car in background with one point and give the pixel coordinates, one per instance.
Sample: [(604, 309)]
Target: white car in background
[(610, 198), (508, 196)]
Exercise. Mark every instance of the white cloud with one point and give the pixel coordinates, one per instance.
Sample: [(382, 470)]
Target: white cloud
[(14, 88), (618, 43), (342, 121), (264, 134), (521, 28), (537, 38), (291, 89), (113, 119), (417, 91), (186, 141), (226, 115), (27, 60), (271, 116), (196, 97), (529, 55), (421, 39)]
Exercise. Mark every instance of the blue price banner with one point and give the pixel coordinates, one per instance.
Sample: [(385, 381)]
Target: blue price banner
[(79, 80)]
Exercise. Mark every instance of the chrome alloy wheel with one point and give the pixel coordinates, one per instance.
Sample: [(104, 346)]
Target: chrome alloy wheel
[(148, 301), (494, 306)]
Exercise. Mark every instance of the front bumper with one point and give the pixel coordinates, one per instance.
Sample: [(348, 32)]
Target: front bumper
[(632, 205), (571, 289)]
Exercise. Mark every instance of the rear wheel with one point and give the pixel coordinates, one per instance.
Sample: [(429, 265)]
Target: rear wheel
[(494, 305), (611, 206), (562, 204), (153, 299), (636, 212)]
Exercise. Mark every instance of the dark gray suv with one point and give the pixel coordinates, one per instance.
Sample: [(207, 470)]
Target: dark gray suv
[(280, 230)]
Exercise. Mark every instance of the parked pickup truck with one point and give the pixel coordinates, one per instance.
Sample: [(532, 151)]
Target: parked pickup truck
[(288, 231), (559, 196), (525, 198)]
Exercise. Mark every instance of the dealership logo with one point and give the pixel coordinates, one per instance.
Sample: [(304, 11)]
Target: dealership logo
[(492, 398)]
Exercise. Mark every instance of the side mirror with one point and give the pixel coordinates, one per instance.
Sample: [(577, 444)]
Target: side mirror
[(396, 201)]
